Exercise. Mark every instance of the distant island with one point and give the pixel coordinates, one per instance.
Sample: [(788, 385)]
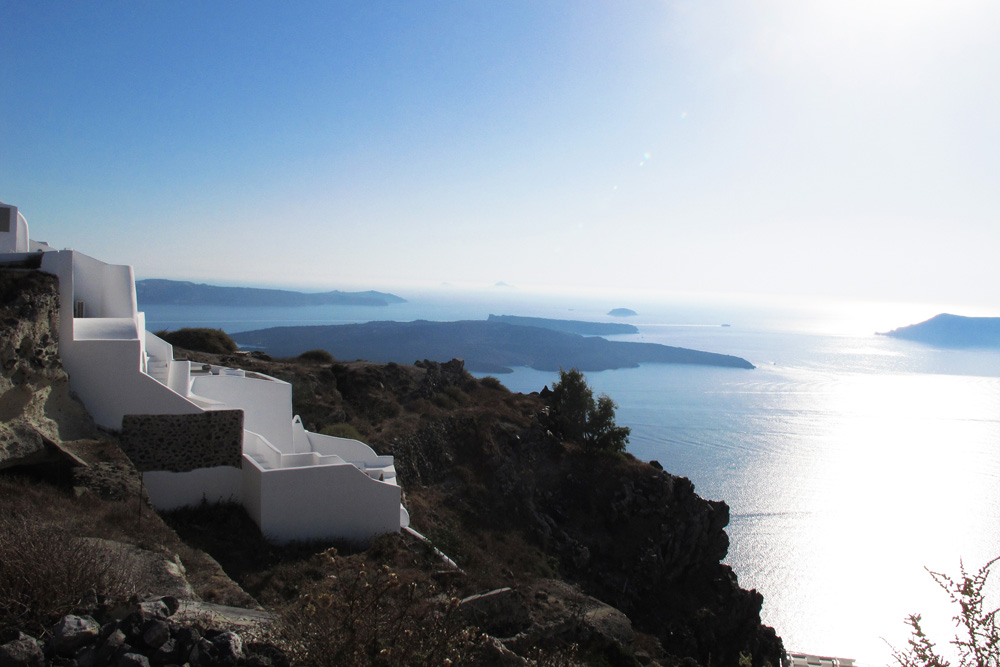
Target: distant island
[(952, 331), (567, 326), (622, 312), (486, 347), (183, 293)]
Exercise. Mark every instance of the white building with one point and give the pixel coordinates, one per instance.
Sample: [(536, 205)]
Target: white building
[(183, 422)]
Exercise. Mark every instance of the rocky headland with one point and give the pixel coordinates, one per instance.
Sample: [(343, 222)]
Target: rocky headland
[(952, 331), (485, 346), (179, 292)]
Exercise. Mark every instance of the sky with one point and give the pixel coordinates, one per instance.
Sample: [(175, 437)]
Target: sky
[(846, 148)]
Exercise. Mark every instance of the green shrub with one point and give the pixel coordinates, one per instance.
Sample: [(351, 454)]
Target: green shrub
[(578, 417), (491, 382), (213, 341), (341, 430), (317, 356)]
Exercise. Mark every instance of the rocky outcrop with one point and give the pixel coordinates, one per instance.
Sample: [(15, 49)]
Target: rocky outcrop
[(37, 412), (149, 634), (628, 534)]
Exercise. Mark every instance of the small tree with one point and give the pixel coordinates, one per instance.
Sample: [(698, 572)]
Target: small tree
[(577, 416), (978, 638)]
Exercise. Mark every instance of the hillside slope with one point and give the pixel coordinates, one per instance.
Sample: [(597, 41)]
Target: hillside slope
[(592, 559)]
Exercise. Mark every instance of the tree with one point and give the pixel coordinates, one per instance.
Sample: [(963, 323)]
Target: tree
[(978, 637), (577, 416)]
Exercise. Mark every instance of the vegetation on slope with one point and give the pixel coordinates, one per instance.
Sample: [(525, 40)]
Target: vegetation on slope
[(488, 476), (200, 339)]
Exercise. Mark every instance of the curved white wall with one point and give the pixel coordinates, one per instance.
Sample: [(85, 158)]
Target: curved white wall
[(349, 450), (107, 289)]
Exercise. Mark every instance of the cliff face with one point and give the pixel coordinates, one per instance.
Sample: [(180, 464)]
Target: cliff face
[(37, 412), (631, 535)]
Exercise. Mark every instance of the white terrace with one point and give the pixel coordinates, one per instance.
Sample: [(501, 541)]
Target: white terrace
[(295, 484)]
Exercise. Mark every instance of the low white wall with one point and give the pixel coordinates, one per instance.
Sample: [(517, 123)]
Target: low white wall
[(267, 404), (170, 490), (105, 375), (347, 449), (326, 502), (260, 449)]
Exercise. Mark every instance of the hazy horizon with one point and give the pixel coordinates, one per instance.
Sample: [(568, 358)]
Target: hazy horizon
[(837, 151)]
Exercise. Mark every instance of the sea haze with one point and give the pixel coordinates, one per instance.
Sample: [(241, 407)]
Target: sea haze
[(850, 461)]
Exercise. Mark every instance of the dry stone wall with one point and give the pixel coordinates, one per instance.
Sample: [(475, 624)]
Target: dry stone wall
[(182, 443)]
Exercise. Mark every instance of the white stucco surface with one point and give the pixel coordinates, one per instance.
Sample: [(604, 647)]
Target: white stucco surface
[(321, 502), (170, 490)]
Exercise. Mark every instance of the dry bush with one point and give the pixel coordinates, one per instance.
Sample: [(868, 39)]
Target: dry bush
[(977, 639), (366, 615), (47, 573)]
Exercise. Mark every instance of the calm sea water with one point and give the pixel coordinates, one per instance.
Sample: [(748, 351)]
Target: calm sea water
[(850, 461)]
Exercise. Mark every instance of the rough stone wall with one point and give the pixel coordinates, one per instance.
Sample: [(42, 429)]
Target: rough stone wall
[(182, 443), (37, 412)]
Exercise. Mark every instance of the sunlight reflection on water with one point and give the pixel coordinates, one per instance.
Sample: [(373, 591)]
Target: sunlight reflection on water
[(843, 484)]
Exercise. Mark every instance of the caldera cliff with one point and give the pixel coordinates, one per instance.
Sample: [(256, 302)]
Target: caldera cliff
[(591, 556)]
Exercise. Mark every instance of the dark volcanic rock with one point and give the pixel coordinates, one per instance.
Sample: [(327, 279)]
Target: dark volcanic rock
[(629, 534), (21, 652)]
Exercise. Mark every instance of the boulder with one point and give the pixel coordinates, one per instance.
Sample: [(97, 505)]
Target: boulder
[(21, 652), (73, 632)]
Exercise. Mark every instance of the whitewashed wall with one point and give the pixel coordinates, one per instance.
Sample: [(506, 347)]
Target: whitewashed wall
[(15, 238), (105, 375), (170, 490), (326, 502), (107, 289), (267, 404)]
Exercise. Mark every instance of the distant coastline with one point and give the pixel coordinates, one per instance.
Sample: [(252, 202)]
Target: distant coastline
[(485, 346), (952, 331), (184, 293), (568, 326)]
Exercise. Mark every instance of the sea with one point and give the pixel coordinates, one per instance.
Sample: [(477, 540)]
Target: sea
[(853, 464)]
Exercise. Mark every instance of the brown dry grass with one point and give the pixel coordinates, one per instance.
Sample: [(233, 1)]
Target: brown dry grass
[(58, 509), (48, 572)]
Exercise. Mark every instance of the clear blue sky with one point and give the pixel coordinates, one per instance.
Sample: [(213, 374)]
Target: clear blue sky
[(840, 148)]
